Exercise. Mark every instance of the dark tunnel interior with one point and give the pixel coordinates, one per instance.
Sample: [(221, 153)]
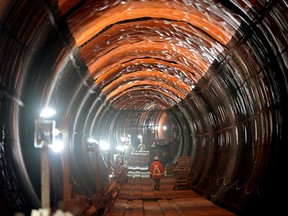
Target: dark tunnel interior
[(207, 77)]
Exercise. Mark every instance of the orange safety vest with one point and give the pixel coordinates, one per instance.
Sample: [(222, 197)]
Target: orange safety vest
[(156, 169)]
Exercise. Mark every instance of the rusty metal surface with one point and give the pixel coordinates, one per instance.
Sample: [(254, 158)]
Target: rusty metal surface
[(215, 72)]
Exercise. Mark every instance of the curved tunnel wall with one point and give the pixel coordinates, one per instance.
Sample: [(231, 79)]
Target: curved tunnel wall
[(232, 124)]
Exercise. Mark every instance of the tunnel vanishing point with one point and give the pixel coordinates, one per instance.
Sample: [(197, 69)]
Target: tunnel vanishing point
[(213, 72)]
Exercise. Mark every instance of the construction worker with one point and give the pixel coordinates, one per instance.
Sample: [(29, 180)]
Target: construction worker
[(156, 172)]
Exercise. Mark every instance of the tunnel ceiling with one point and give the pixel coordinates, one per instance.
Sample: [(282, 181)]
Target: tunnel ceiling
[(149, 53)]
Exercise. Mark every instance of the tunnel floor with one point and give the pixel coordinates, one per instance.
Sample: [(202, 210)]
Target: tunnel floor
[(137, 197)]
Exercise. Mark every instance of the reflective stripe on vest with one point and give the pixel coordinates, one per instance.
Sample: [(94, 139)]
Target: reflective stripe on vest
[(156, 170)]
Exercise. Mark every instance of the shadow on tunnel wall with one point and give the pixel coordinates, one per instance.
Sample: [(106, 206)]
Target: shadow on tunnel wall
[(233, 124)]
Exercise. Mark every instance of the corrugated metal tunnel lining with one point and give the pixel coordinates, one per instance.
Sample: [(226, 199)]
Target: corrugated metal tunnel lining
[(214, 72)]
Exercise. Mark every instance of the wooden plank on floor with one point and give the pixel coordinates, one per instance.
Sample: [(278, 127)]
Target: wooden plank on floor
[(128, 209), (137, 208), (118, 208), (147, 191), (151, 208), (167, 208)]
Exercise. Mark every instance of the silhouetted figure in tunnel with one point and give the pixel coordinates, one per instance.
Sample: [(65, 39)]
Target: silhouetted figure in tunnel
[(156, 172)]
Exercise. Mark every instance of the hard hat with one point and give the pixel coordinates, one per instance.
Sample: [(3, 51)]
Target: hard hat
[(156, 158)]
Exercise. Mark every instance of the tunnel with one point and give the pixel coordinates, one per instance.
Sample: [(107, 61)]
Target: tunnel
[(212, 73)]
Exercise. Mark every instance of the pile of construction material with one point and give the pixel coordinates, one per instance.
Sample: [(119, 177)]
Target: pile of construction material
[(182, 173)]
